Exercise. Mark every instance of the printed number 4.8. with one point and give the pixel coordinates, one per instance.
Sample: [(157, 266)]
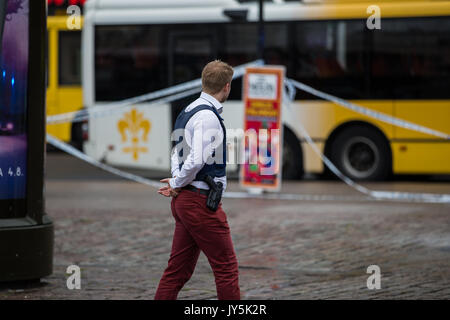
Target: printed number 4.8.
[(18, 172)]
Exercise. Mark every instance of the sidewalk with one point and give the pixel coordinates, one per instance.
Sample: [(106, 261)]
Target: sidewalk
[(120, 233)]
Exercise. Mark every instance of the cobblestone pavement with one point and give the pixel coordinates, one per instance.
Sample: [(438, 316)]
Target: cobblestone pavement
[(120, 233)]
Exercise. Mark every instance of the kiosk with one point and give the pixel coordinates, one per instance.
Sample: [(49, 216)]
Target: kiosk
[(26, 232)]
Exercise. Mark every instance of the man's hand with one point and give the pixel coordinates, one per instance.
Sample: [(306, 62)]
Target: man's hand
[(167, 191)]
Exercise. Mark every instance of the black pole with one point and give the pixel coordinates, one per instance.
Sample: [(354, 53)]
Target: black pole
[(261, 30), (26, 236), (2, 20)]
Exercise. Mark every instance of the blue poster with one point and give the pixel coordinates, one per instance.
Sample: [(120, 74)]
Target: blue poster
[(13, 97)]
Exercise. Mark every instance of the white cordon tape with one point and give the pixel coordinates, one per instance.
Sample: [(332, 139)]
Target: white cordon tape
[(107, 110), (80, 155), (372, 195), (379, 195), (294, 197), (173, 92), (230, 195), (365, 111), (191, 87)]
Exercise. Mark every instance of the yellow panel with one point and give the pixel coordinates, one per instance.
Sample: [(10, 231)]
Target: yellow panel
[(59, 99), (345, 115), (433, 114), (322, 117), (421, 157), (69, 100), (417, 153), (59, 22), (388, 9), (52, 60)]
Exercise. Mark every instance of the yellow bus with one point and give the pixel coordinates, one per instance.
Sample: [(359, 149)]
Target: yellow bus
[(64, 93), (401, 69)]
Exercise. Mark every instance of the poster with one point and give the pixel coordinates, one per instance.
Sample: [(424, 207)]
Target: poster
[(263, 87), (13, 97)]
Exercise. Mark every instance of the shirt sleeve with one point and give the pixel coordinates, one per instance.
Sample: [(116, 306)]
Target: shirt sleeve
[(175, 165), (204, 127)]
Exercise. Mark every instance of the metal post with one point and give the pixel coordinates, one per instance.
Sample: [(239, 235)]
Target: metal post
[(26, 233), (2, 21), (261, 34)]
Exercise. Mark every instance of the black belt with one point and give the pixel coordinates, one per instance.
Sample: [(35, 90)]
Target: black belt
[(198, 190)]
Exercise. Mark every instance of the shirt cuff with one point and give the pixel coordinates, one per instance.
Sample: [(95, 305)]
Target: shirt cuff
[(175, 173), (172, 183)]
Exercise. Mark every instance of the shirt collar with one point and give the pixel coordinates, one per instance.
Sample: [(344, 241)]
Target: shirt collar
[(213, 101)]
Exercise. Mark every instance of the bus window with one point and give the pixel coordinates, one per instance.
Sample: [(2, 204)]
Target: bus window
[(69, 58), (188, 54), (189, 51), (276, 44), (238, 46), (330, 56), (413, 56), (129, 61)]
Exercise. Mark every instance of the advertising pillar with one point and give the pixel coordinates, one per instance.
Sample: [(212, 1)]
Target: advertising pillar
[(263, 91), (26, 232)]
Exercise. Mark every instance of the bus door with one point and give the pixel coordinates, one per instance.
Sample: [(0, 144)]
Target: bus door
[(64, 78), (188, 54)]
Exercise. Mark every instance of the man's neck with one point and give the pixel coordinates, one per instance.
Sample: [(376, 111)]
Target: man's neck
[(216, 96)]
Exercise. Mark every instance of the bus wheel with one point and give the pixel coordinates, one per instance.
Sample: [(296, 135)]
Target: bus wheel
[(362, 153), (292, 157)]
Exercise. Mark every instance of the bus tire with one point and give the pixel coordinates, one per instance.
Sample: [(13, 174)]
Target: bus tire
[(292, 157), (362, 153)]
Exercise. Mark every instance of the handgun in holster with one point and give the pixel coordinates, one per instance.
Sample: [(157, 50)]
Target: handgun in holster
[(215, 193)]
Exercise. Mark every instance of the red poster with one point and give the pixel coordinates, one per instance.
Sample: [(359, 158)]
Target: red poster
[(263, 88)]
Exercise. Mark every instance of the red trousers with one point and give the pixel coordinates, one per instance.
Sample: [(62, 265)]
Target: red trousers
[(198, 228)]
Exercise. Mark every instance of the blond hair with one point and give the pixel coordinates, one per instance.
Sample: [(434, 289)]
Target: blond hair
[(215, 75)]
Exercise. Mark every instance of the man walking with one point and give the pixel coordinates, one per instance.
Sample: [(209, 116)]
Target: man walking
[(198, 164)]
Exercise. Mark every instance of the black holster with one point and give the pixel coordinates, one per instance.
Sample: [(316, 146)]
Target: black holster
[(215, 193)]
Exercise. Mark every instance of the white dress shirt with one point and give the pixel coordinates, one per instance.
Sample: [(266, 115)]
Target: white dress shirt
[(201, 122)]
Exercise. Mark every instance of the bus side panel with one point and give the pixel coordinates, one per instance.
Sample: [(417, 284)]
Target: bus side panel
[(434, 114), (65, 99), (320, 118), (70, 100), (421, 157), (55, 130), (416, 152), (135, 138), (61, 98)]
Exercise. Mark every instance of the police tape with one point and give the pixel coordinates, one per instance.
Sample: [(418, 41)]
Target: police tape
[(375, 194), (105, 111), (371, 194), (156, 184), (174, 93), (82, 156), (368, 112)]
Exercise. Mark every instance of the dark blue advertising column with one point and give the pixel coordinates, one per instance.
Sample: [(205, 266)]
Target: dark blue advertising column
[(26, 232)]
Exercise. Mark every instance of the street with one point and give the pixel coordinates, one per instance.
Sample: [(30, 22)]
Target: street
[(119, 233)]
